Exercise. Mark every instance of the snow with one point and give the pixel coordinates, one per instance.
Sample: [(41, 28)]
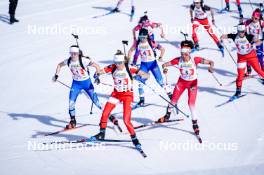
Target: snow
[(32, 105)]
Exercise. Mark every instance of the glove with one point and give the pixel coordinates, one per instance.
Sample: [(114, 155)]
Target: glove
[(213, 21), (210, 69), (160, 59), (165, 70), (55, 77), (96, 79)]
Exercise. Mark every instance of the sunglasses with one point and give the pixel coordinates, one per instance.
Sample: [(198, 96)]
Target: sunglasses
[(119, 62), (142, 37), (74, 53)]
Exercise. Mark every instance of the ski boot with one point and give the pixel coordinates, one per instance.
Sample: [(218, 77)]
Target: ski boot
[(166, 117), (196, 46), (238, 92), (115, 122), (115, 10), (135, 142), (72, 123), (195, 127), (13, 19), (99, 136), (141, 102), (227, 8), (221, 48)]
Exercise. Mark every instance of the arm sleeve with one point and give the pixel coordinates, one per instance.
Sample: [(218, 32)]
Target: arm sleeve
[(232, 36), (250, 38), (198, 60), (206, 8), (192, 7), (65, 62), (154, 24), (133, 69), (137, 28), (109, 68), (174, 61)]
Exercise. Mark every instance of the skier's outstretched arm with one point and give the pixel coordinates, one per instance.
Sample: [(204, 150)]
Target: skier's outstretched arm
[(210, 63), (96, 66), (56, 76)]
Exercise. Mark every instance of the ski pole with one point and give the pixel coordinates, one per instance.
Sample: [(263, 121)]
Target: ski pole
[(251, 4), (106, 84), (63, 84), (216, 79), (166, 79), (70, 87), (91, 110), (186, 115), (124, 42), (170, 42), (185, 35), (225, 45), (76, 38)]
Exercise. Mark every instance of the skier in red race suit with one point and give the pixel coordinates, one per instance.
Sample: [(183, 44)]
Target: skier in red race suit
[(123, 92), (245, 54), (199, 17), (255, 26), (188, 80)]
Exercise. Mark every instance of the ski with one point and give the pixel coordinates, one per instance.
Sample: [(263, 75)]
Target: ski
[(245, 78), (140, 150), (261, 81), (105, 14), (65, 129), (85, 140), (231, 99), (157, 122), (199, 138), (139, 106), (224, 11)]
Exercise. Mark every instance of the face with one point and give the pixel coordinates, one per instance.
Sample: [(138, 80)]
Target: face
[(119, 65), (74, 55), (255, 19), (241, 33), (185, 53), (197, 4), (142, 38)]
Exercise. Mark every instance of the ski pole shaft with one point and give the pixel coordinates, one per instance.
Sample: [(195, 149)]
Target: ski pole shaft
[(106, 84), (175, 106), (91, 110), (225, 45), (170, 42), (63, 84), (216, 79), (251, 4)]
